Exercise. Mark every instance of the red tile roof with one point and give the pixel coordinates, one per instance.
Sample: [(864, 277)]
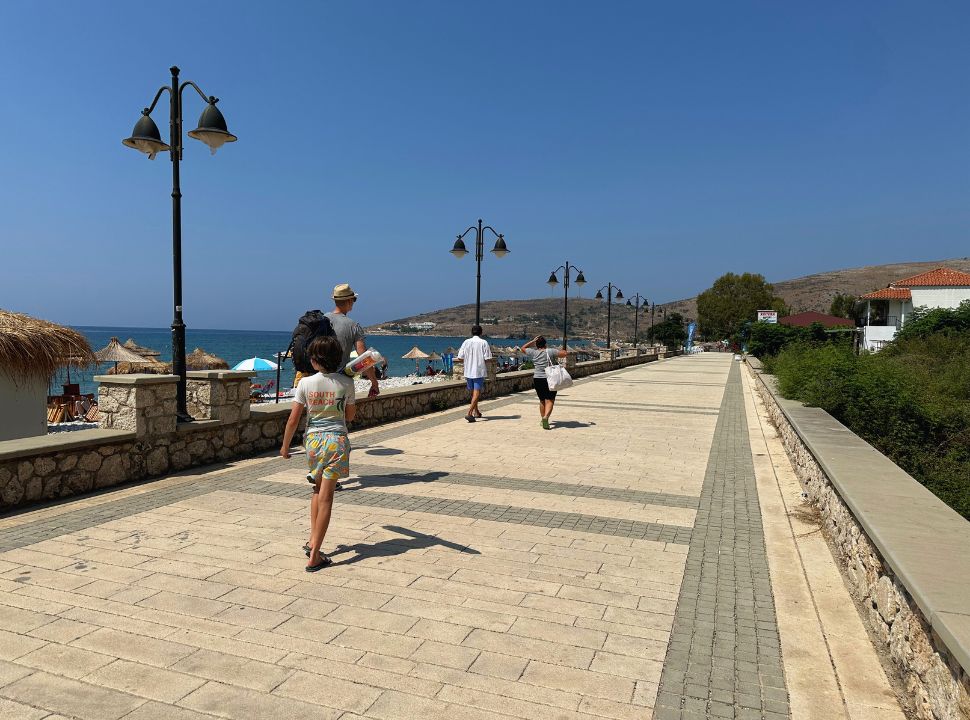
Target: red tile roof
[(940, 277), (889, 293), (807, 318)]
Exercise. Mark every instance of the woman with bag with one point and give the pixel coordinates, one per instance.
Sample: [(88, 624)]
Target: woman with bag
[(542, 358)]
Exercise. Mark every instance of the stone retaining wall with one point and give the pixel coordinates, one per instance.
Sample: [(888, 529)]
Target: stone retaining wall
[(139, 437), (933, 670)]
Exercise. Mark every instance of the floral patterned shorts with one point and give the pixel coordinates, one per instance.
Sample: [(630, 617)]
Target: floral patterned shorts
[(328, 455)]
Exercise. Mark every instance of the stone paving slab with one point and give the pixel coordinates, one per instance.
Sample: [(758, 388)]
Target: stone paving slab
[(483, 570)]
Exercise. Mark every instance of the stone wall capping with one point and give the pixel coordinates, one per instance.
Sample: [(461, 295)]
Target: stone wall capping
[(220, 374), (923, 543), (270, 409), (136, 379), (50, 444)]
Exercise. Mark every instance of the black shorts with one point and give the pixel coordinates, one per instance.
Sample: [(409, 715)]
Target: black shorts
[(542, 389)]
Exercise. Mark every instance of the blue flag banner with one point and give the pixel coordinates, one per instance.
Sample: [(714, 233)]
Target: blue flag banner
[(690, 335)]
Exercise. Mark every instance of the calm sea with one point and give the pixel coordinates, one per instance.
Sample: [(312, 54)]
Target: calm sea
[(235, 345)]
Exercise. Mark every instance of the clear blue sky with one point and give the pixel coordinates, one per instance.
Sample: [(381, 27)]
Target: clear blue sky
[(656, 145)]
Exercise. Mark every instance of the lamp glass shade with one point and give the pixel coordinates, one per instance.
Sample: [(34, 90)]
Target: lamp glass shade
[(459, 250), (212, 128), (500, 250), (619, 294), (580, 279), (146, 138), (553, 280), (629, 304), (599, 295)]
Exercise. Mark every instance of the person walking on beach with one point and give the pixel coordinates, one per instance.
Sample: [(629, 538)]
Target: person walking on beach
[(349, 332), (328, 397), (542, 358), (474, 352)]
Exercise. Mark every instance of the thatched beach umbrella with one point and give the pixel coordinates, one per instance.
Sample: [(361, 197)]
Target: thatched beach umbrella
[(415, 354), (151, 366), (32, 348), (199, 359), (115, 352), (145, 352)]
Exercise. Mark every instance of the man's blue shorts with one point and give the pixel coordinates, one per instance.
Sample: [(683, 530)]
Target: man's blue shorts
[(475, 383)]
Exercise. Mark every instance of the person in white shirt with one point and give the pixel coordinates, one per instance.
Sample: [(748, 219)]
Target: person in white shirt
[(474, 352)]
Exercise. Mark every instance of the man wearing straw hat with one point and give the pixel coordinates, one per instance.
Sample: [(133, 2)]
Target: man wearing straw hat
[(349, 332)]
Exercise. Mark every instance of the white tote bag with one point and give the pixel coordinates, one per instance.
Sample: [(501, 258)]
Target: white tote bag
[(558, 378)]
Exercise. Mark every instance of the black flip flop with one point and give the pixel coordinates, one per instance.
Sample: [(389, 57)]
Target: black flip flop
[(306, 549), (338, 486), (324, 561)]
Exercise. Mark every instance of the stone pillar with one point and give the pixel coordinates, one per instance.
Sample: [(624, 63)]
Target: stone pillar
[(141, 403), (218, 394), (570, 363), (491, 373)]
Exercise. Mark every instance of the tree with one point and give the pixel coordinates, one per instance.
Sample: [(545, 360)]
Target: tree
[(672, 332), (845, 306), (733, 300)]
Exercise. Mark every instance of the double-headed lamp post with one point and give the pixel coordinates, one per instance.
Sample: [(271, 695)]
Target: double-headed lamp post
[(636, 317), (500, 250), (553, 281), (146, 138), (609, 287)]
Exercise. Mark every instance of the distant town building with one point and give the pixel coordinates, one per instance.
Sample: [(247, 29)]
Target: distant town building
[(887, 309), (422, 326)]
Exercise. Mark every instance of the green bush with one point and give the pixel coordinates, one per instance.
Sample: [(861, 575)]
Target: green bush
[(911, 401)]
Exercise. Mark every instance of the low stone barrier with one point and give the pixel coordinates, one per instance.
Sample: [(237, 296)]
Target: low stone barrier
[(905, 553), (139, 437)]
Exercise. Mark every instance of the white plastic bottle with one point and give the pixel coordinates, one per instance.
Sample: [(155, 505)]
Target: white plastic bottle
[(369, 358)]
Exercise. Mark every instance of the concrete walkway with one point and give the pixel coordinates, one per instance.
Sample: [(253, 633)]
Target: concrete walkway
[(649, 556)]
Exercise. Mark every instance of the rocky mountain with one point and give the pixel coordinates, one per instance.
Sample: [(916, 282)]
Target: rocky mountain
[(528, 318)]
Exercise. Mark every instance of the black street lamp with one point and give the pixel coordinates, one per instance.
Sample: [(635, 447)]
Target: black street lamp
[(609, 287), (146, 138), (500, 250), (636, 317), (553, 281)]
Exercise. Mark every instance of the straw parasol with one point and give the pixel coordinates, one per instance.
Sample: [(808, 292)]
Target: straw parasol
[(415, 354), (199, 359), (146, 352), (33, 348), (152, 366), (115, 352)]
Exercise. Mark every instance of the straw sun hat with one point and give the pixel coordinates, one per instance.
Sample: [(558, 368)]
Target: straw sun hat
[(344, 292)]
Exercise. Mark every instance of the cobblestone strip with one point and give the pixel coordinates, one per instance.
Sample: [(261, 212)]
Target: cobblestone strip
[(248, 480), (597, 524), (374, 476), (724, 658)]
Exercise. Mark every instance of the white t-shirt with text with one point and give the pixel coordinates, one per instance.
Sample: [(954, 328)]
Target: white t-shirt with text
[(325, 396)]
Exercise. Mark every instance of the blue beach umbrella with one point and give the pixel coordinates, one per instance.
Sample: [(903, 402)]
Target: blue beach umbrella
[(256, 364)]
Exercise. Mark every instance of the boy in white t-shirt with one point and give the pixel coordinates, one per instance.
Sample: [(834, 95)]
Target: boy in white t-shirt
[(328, 397)]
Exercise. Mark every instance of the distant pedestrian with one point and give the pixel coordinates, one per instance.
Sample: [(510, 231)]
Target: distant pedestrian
[(542, 358), (474, 352), (328, 397)]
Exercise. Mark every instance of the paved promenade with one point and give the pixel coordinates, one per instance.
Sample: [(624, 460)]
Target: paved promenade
[(647, 557)]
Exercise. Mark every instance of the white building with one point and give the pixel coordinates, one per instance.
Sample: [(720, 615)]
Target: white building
[(422, 326), (939, 288)]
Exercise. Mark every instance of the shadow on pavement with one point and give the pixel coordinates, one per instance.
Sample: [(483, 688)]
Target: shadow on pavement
[(498, 417), (383, 451), (391, 480), (413, 540), (570, 424)]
